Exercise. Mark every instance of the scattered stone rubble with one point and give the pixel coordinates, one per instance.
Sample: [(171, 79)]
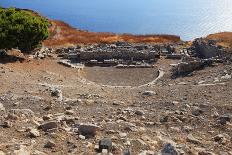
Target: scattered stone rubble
[(121, 54), (184, 68), (201, 54), (113, 132), (173, 117), (42, 53)]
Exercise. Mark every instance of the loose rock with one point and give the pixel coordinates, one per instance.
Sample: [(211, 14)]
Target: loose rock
[(192, 139), (2, 108), (23, 150), (34, 133), (48, 126), (149, 93), (169, 149), (224, 119), (105, 143), (50, 144), (139, 112), (88, 130), (197, 111)]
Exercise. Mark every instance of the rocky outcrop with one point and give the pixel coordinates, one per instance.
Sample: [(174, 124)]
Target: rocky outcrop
[(206, 48), (184, 68)]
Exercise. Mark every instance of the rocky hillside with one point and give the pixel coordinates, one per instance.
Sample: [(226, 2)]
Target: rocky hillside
[(63, 34), (182, 105), (224, 38)]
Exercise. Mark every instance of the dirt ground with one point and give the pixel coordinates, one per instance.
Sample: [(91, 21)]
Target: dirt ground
[(138, 119), (120, 77)]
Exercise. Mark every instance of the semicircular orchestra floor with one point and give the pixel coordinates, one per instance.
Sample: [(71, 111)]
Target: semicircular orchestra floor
[(119, 77)]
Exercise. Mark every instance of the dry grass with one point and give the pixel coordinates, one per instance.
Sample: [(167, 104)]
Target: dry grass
[(61, 34), (224, 38)]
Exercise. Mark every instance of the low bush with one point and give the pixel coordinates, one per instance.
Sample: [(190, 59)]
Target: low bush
[(21, 29)]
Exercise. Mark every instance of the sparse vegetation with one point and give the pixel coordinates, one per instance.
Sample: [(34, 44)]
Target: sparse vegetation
[(63, 34), (21, 29)]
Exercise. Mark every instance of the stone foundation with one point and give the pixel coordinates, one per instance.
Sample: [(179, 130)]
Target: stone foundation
[(125, 54)]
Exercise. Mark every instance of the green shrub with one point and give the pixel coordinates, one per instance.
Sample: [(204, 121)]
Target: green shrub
[(21, 29)]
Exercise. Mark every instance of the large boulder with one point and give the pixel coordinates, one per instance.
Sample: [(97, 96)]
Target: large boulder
[(88, 130)]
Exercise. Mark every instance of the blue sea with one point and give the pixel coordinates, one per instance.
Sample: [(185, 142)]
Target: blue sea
[(187, 18)]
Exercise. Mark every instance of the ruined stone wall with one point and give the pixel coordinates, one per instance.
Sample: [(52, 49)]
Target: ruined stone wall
[(91, 55), (184, 68), (124, 55), (123, 51)]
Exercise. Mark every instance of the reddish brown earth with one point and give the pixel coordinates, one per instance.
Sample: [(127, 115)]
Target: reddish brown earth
[(62, 34), (224, 38)]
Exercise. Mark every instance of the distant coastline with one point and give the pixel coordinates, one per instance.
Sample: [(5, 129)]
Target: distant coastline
[(187, 19), (62, 34)]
